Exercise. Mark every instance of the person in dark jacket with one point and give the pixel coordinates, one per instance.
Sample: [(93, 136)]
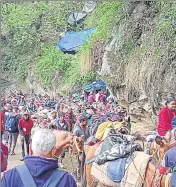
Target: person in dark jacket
[(43, 164), (32, 107), (13, 134), (62, 125)]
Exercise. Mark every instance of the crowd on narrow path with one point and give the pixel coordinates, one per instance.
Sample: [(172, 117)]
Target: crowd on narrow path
[(51, 127)]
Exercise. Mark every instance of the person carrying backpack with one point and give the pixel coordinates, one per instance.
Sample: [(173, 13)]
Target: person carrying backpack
[(41, 169), (11, 125)]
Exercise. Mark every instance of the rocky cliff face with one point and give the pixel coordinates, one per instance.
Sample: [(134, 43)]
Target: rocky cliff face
[(139, 62)]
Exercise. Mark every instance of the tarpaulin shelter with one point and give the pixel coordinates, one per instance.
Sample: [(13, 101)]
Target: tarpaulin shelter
[(76, 17), (73, 40), (95, 86), (89, 6)]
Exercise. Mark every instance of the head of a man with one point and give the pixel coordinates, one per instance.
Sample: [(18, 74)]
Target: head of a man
[(15, 109), (171, 103), (83, 121), (43, 143), (54, 114), (14, 102), (26, 116), (32, 101)]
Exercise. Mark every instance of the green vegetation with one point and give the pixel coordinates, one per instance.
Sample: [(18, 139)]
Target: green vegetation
[(27, 28), (166, 25), (103, 18), (51, 61), (30, 32)]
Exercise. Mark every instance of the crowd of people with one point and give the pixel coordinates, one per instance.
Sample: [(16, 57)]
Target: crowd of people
[(47, 127)]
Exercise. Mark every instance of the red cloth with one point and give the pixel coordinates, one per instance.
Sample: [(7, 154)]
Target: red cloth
[(100, 96), (2, 122), (4, 157), (26, 126), (108, 106), (163, 170), (91, 98), (164, 122)]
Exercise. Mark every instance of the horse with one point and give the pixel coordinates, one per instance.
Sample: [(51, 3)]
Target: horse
[(158, 148), (151, 171)]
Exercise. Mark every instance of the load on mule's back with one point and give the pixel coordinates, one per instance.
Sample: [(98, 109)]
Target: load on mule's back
[(150, 176)]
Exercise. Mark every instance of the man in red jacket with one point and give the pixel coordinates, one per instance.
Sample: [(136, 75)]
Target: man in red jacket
[(25, 125), (165, 117)]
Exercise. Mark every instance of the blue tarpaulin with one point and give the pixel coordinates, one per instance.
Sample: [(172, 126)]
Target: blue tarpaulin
[(73, 40), (99, 85)]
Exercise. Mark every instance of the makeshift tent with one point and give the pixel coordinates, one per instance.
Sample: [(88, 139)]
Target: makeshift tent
[(95, 86), (89, 6), (73, 40), (76, 17)]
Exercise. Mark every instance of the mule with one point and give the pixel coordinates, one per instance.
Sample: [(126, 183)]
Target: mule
[(88, 181)]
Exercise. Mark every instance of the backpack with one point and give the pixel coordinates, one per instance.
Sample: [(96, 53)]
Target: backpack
[(10, 123), (28, 180)]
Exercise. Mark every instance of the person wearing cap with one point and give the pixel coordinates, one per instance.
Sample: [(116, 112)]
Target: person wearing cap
[(80, 129), (13, 133), (25, 126), (166, 115)]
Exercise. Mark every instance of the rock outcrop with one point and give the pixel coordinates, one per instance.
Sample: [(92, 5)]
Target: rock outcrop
[(139, 63)]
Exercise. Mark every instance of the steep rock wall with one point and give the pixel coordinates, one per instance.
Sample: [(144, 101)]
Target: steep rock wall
[(139, 62)]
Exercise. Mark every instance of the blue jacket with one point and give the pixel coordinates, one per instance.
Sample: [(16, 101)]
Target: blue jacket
[(169, 160), (41, 169)]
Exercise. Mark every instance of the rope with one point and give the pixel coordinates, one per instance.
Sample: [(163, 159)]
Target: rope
[(157, 180), (143, 179), (153, 177)]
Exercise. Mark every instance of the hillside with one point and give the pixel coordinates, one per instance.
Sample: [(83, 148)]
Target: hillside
[(133, 50)]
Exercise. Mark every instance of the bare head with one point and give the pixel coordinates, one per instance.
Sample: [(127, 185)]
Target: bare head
[(43, 143)]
